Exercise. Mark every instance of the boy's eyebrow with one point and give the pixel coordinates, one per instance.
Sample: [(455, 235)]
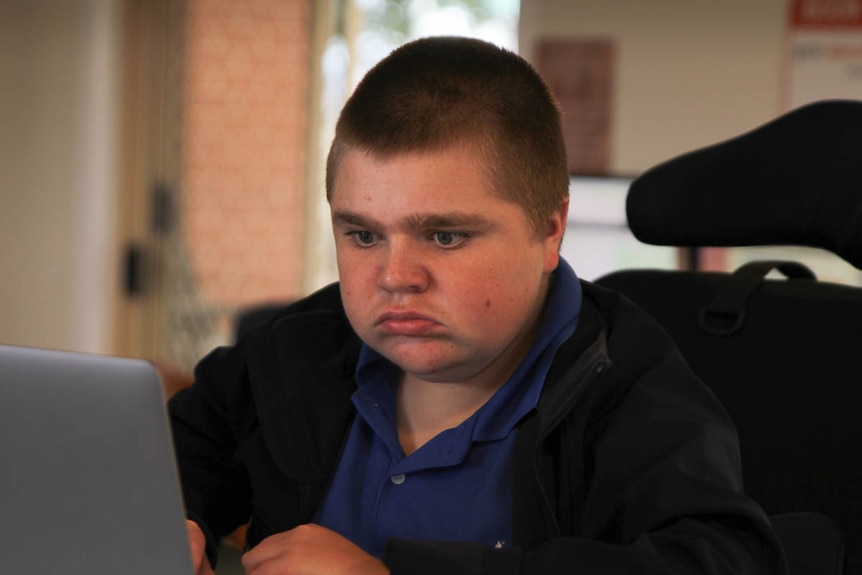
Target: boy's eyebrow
[(351, 218), (447, 220), (416, 221)]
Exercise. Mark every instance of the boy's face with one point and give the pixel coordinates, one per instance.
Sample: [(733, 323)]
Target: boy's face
[(438, 272)]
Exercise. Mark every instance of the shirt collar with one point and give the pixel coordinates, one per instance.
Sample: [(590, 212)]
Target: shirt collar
[(520, 394)]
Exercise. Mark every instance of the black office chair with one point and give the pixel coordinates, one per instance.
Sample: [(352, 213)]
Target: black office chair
[(783, 355)]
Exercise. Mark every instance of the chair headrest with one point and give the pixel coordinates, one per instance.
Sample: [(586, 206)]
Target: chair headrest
[(796, 180)]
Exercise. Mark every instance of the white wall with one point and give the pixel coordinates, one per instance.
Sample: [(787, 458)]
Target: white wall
[(689, 72), (57, 108)]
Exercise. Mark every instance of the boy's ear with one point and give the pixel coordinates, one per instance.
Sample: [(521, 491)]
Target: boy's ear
[(556, 227), (556, 224)]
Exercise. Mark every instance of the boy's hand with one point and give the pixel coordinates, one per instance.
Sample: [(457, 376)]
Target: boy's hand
[(310, 550), (198, 545)]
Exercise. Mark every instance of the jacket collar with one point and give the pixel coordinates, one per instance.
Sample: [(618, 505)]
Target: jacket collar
[(301, 373)]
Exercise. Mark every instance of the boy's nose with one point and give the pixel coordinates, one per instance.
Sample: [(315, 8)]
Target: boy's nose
[(403, 270)]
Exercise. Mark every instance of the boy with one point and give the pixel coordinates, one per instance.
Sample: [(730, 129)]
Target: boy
[(460, 402)]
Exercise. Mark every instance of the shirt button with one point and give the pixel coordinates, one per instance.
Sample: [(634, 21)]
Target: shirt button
[(398, 479)]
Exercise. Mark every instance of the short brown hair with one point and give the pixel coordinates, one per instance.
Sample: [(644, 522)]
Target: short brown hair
[(433, 93)]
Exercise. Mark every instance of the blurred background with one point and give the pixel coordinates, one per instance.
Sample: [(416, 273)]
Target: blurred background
[(161, 161)]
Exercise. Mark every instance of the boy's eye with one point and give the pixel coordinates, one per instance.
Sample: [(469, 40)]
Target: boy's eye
[(363, 237), (449, 239)]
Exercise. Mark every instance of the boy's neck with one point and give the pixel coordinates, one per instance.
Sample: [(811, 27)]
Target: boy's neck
[(427, 408)]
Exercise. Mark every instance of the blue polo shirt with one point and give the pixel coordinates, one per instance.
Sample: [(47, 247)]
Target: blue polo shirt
[(457, 486)]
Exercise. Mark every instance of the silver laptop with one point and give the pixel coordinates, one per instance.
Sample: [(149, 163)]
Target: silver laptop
[(88, 483)]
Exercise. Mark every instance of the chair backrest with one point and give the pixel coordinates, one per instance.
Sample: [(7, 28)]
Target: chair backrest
[(783, 355)]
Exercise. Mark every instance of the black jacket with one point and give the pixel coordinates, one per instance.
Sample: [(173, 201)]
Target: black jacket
[(628, 465)]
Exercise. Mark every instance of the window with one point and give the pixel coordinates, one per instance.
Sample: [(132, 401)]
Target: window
[(598, 240)]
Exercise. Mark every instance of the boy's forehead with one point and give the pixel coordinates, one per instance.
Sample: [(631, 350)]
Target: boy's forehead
[(418, 189), (446, 166)]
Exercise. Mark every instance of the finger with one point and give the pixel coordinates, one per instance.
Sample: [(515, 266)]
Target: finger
[(197, 546), (262, 553), (280, 548)]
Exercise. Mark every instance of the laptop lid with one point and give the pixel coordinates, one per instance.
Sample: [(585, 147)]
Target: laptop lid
[(88, 483)]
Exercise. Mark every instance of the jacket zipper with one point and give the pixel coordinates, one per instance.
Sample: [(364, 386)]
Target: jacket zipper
[(589, 368)]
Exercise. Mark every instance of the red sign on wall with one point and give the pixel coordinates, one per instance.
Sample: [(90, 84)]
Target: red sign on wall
[(826, 14)]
